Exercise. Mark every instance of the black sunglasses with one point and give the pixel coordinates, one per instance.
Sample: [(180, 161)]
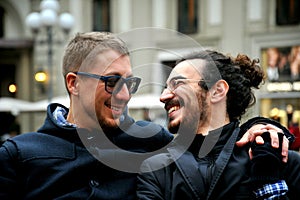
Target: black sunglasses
[(113, 84)]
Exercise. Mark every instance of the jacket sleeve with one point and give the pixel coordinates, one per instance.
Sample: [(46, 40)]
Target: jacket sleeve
[(292, 175), (8, 172), (266, 169), (148, 185)]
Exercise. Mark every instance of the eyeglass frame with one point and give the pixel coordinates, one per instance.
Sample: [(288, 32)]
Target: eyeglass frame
[(105, 79), (201, 83)]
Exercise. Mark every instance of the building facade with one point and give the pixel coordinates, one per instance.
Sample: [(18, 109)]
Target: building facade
[(157, 33)]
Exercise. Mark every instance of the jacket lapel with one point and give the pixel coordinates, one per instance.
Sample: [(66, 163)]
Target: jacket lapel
[(189, 169), (222, 160)]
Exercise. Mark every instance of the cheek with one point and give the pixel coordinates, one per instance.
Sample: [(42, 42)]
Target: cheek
[(196, 105), (89, 90), (190, 99), (99, 97), (98, 92)]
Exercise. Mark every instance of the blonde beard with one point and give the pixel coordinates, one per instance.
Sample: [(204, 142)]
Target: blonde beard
[(108, 125)]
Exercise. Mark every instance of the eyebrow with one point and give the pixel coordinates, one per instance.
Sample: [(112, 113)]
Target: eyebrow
[(177, 77)]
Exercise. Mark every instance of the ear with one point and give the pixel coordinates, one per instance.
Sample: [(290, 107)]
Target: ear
[(72, 83), (219, 91)]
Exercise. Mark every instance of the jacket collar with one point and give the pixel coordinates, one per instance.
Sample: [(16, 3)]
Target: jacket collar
[(53, 126), (188, 166)]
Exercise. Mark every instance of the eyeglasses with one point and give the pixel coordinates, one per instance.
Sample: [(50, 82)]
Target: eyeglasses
[(175, 83), (114, 84)]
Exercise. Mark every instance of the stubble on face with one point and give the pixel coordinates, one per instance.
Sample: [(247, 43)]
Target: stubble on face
[(194, 114), (191, 98), (108, 108), (174, 123)]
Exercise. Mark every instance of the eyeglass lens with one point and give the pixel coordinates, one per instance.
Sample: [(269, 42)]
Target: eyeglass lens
[(115, 84)]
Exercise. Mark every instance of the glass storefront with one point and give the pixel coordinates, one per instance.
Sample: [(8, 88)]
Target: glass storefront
[(280, 97)]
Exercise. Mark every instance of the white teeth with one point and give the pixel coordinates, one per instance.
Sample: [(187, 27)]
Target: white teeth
[(174, 108), (115, 108)]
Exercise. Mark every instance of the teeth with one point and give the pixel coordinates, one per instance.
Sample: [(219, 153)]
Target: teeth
[(174, 108), (115, 108)]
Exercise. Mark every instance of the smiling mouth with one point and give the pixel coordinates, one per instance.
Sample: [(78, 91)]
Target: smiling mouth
[(173, 108), (115, 109)]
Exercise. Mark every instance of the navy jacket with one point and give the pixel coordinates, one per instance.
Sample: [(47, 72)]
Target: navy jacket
[(221, 172), (61, 162)]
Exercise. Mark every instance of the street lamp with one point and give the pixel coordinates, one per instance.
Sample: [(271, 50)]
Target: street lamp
[(48, 18)]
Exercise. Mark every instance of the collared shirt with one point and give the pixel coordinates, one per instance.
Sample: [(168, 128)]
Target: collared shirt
[(60, 115), (272, 191)]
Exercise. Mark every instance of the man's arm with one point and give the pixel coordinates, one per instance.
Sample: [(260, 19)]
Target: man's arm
[(8, 175), (147, 185), (291, 174), (253, 128), (266, 169), (268, 153)]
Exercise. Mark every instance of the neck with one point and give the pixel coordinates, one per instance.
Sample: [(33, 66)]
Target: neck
[(218, 118), (80, 118)]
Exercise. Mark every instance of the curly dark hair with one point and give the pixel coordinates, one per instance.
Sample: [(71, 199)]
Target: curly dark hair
[(240, 72)]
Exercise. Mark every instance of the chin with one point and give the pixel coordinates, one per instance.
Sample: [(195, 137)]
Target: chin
[(114, 123), (109, 124), (173, 128)]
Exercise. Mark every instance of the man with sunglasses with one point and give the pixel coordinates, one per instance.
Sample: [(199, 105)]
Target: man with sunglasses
[(92, 150)]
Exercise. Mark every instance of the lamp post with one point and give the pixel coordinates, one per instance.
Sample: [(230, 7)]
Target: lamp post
[(47, 18)]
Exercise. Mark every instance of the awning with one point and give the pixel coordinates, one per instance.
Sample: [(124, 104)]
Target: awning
[(16, 106)]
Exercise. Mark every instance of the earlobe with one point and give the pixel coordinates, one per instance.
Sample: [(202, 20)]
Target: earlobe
[(72, 83), (219, 91)]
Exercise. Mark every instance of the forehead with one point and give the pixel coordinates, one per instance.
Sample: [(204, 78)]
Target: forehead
[(190, 69), (112, 62)]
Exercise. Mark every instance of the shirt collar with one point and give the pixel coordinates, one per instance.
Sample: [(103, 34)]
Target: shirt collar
[(60, 115)]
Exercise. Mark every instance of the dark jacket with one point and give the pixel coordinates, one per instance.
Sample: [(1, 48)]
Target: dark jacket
[(62, 162), (222, 173)]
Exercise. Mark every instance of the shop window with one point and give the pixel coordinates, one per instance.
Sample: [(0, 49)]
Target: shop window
[(188, 16), (287, 12), (282, 64), (101, 15), (287, 112)]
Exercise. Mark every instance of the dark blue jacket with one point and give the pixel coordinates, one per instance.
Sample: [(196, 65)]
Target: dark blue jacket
[(60, 162), (212, 168)]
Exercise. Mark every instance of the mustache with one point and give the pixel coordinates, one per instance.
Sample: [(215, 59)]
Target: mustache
[(173, 102)]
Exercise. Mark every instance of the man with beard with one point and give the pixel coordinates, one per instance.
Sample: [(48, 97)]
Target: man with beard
[(77, 153), (205, 97), (93, 150)]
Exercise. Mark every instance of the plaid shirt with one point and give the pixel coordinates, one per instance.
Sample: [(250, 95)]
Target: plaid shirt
[(60, 115), (272, 191)]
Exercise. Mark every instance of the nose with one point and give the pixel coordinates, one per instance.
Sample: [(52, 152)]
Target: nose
[(166, 95), (123, 94)]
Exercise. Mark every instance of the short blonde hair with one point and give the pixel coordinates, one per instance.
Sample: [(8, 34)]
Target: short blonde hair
[(79, 48)]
